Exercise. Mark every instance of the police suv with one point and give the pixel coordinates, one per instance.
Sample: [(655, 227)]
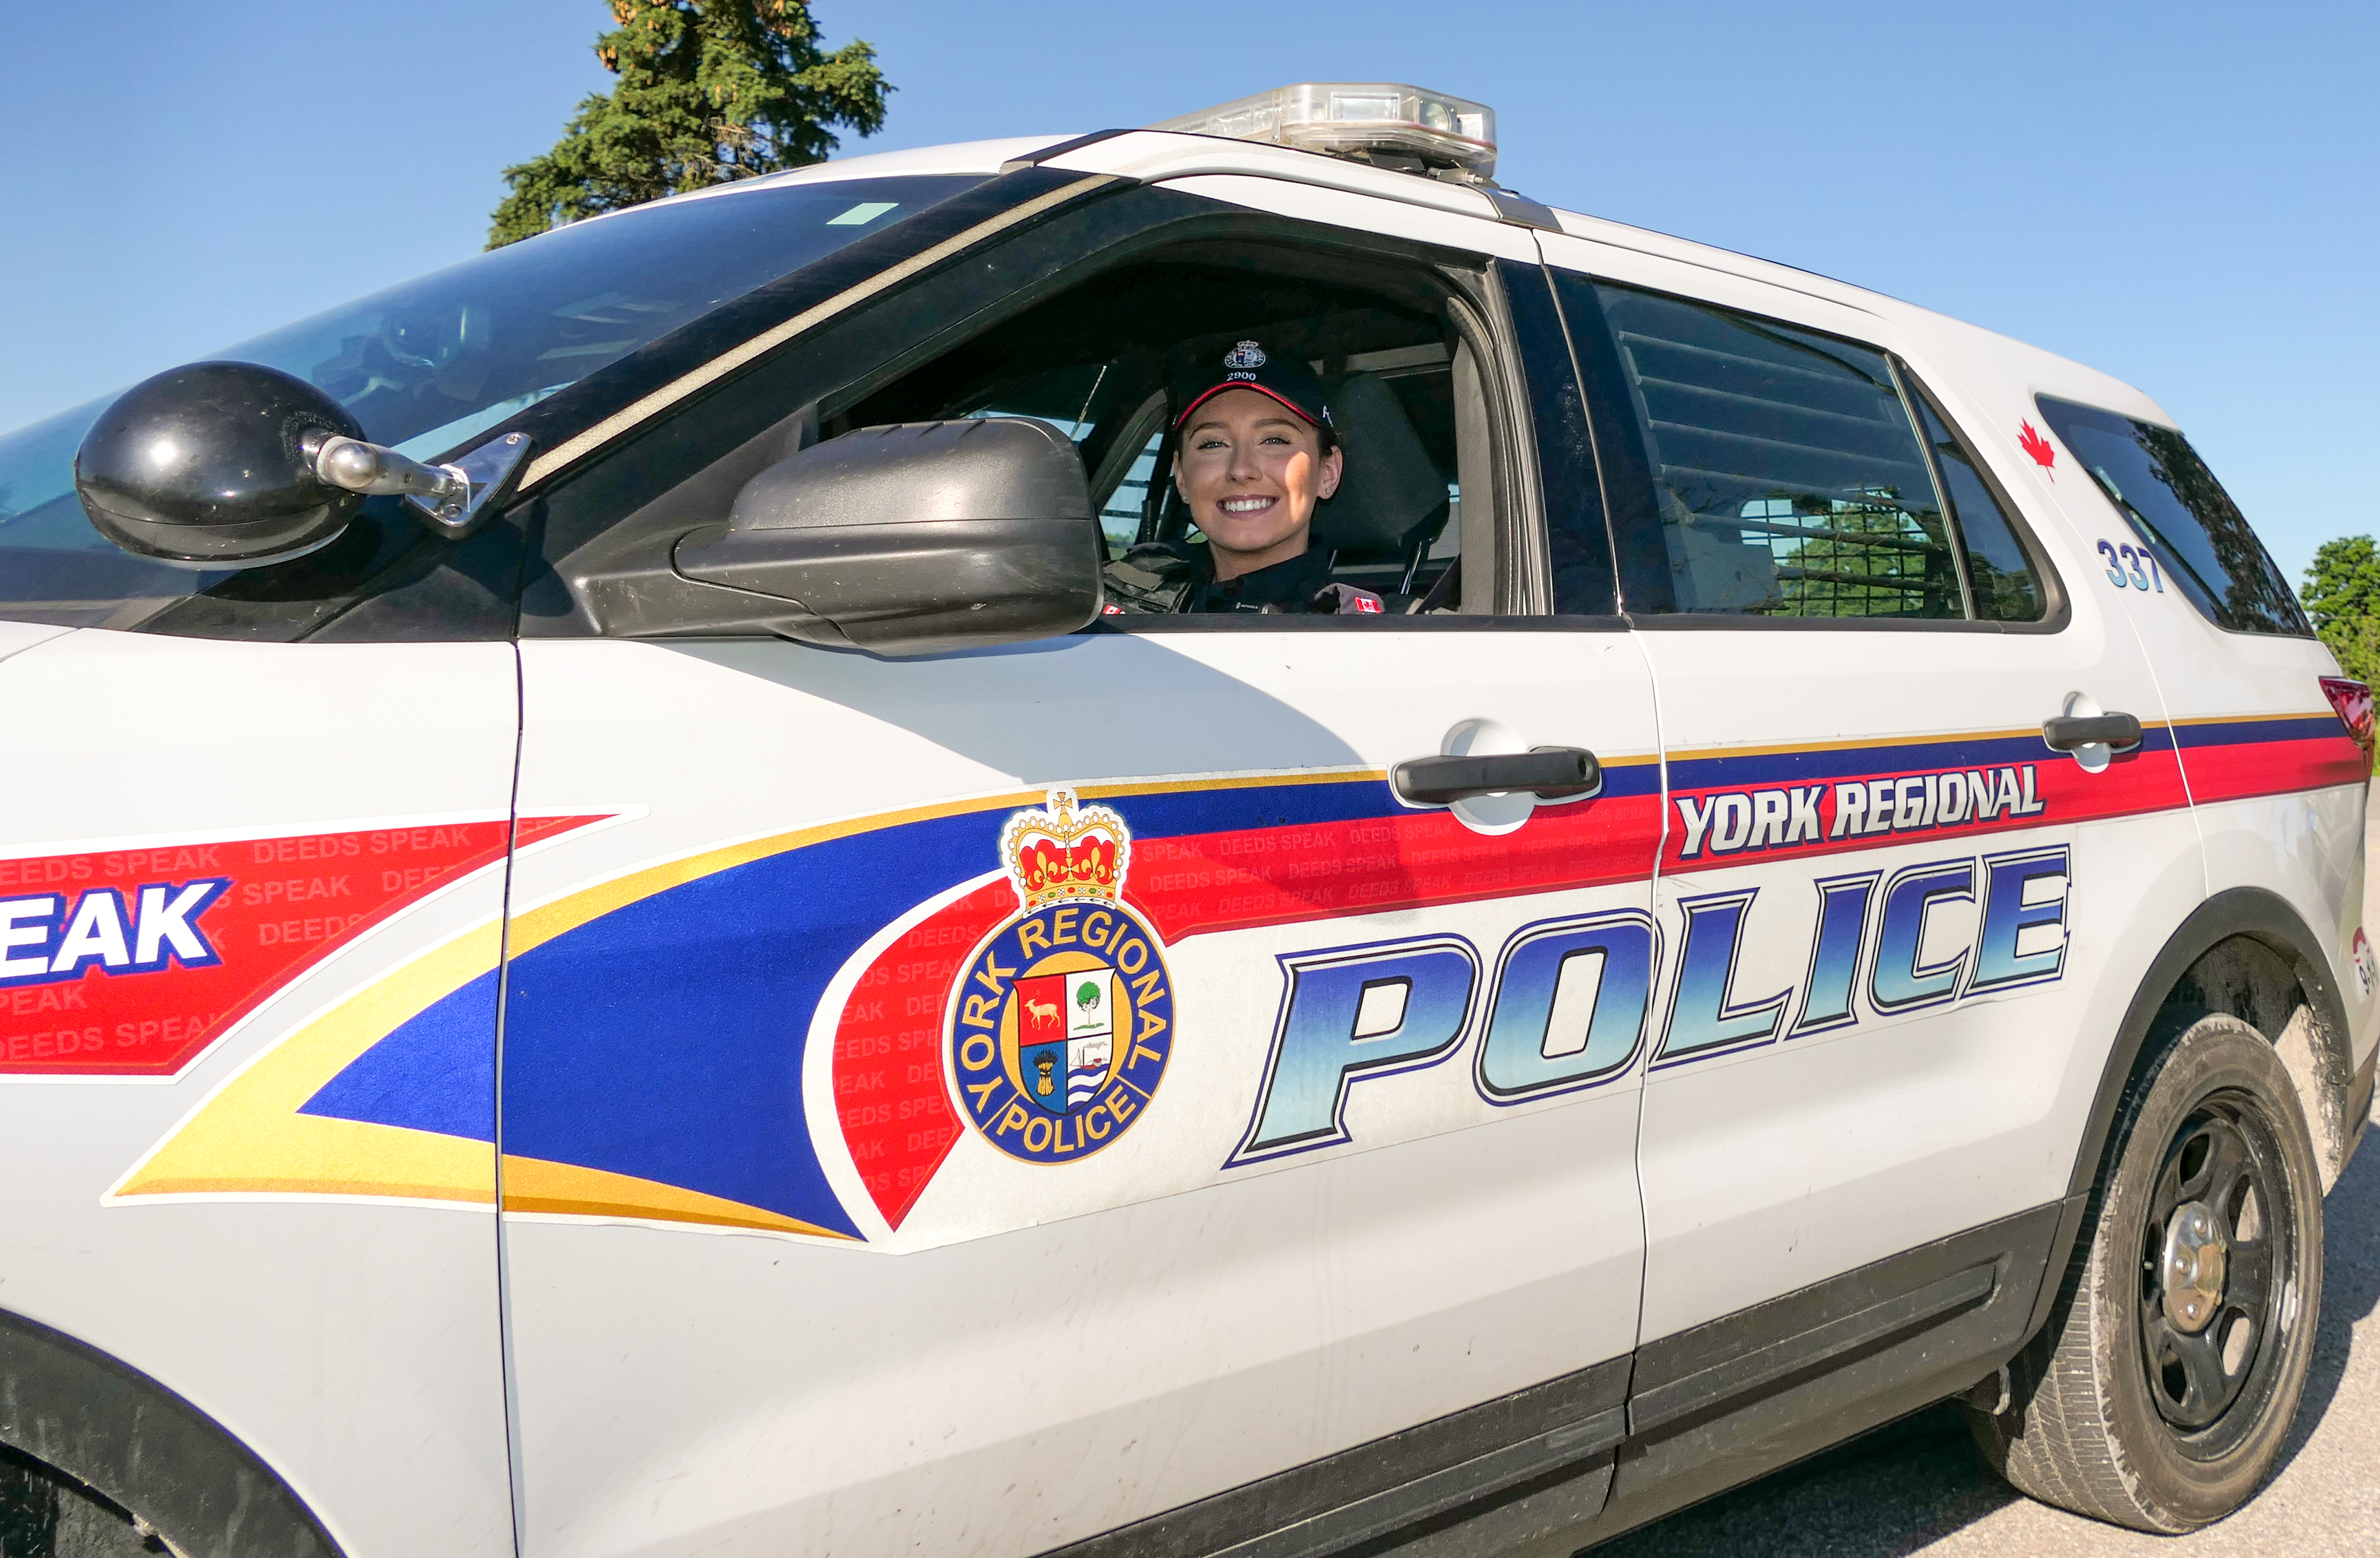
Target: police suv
[(605, 950)]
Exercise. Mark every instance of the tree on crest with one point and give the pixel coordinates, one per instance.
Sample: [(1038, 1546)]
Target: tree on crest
[(709, 92)]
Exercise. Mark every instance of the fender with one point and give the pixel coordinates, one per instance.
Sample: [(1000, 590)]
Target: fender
[(123, 1434), (2253, 912)]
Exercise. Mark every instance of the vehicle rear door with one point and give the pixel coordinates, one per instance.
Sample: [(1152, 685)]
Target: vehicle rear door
[(1901, 927)]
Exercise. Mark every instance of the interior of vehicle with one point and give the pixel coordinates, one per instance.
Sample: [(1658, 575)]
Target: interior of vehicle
[(1096, 361)]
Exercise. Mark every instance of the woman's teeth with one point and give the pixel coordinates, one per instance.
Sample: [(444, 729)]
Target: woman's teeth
[(1246, 505)]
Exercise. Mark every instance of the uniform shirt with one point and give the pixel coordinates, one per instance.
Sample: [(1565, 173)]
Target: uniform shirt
[(1180, 576)]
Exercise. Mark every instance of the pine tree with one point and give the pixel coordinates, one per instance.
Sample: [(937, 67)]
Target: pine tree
[(710, 91), (2342, 595)]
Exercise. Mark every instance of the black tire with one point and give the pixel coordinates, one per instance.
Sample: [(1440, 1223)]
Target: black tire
[(2158, 1396)]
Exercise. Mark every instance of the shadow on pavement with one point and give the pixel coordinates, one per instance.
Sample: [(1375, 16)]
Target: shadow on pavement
[(1905, 1486), (2351, 1284)]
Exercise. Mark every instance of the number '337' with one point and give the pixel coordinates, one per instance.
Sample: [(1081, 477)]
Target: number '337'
[(2133, 566)]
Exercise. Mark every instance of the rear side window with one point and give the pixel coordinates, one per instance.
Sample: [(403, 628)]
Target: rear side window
[(2171, 500), (1999, 575), (1791, 478)]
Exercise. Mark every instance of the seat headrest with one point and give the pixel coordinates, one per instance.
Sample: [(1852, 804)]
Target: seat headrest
[(1391, 491)]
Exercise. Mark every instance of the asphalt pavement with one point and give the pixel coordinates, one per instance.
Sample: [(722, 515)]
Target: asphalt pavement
[(1917, 1486)]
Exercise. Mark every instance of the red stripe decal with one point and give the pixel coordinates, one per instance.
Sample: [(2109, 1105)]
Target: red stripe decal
[(129, 962), (887, 1051), (2273, 768), (2065, 791), (1204, 882), (889, 1093)]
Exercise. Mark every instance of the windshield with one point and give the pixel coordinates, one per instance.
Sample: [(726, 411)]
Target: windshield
[(427, 365)]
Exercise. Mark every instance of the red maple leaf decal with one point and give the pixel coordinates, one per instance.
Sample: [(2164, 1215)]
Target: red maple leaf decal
[(2033, 444)]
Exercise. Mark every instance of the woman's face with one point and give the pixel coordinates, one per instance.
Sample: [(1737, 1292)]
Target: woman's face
[(1251, 470)]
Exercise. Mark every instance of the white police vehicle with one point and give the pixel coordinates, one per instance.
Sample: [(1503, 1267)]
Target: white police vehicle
[(604, 956)]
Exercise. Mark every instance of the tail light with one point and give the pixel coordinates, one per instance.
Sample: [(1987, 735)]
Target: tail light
[(2353, 701)]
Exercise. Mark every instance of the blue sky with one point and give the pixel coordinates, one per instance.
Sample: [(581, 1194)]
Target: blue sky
[(2180, 193)]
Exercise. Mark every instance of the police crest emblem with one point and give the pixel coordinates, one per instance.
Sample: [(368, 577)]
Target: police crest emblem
[(1246, 357), (1062, 1020)]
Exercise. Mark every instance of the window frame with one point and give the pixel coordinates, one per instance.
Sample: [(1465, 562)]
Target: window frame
[(640, 490), (1640, 554), (2056, 609)]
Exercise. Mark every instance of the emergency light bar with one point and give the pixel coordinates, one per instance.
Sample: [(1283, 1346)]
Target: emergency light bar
[(1386, 122)]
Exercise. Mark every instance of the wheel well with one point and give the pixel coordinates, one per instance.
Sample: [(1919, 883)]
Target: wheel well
[(114, 1431), (2265, 985), (2247, 954)]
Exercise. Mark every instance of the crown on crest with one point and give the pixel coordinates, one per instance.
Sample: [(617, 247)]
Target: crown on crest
[(1065, 854)]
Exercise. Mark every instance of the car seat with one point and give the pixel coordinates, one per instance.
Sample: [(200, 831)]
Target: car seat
[(1392, 501)]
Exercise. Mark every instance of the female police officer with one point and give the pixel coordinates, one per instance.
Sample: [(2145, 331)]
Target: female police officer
[(1254, 452)]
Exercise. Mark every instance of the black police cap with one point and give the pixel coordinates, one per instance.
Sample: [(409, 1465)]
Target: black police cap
[(1249, 366)]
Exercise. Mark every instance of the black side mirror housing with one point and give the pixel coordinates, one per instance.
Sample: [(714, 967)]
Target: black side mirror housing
[(207, 466), (915, 539)]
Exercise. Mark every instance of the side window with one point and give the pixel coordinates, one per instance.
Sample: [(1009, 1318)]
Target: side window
[(1788, 473), (1119, 483), (1088, 321), (1999, 574), (1097, 358), (2171, 501)]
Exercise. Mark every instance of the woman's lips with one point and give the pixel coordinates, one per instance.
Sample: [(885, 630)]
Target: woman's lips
[(1246, 502)]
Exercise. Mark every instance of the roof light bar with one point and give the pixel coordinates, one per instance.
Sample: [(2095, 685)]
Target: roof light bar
[(1384, 122)]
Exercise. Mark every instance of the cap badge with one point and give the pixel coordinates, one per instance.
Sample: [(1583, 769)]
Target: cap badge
[(1244, 356)]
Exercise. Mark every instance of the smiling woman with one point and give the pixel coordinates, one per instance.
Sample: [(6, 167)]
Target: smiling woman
[(430, 366), (1256, 451), (1251, 471)]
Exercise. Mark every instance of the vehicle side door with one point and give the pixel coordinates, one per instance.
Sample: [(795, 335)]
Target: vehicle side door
[(808, 1248), (1903, 928)]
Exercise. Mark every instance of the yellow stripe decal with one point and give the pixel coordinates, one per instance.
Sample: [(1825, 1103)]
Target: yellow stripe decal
[(536, 1184), (251, 1137)]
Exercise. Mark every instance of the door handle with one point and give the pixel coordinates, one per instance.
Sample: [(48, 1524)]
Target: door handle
[(1549, 773), (2066, 733)]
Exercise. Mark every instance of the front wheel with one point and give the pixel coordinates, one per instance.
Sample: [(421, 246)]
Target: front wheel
[(2160, 1392)]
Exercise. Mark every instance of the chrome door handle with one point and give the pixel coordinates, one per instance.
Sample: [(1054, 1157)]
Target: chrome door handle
[(1547, 773), (2067, 733)]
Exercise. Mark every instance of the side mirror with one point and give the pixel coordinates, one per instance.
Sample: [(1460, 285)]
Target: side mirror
[(206, 466), (914, 539), (230, 465)]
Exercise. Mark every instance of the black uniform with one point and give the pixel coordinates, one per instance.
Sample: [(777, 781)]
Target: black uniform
[(1171, 576)]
